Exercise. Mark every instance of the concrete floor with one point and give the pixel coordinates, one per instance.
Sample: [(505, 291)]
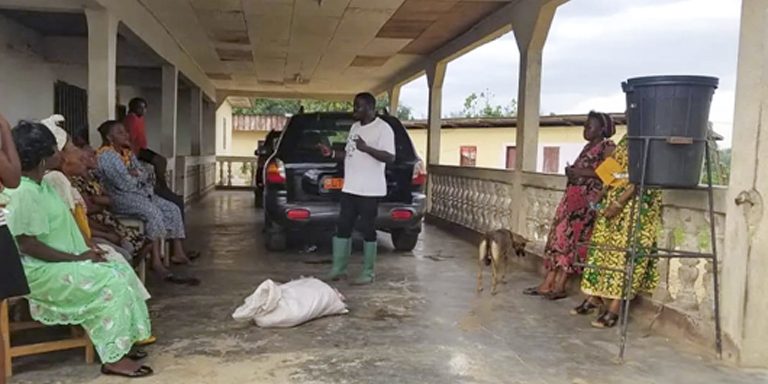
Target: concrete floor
[(420, 323)]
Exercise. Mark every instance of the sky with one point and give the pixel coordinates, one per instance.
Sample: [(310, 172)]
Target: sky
[(593, 46)]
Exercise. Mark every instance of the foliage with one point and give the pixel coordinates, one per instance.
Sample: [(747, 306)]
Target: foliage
[(292, 106), (479, 105)]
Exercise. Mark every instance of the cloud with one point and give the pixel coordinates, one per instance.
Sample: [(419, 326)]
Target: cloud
[(594, 45)]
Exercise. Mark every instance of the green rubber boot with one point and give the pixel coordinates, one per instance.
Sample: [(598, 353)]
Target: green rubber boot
[(370, 249), (342, 249)]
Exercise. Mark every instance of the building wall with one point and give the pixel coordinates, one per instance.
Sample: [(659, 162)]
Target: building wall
[(491, 144), (26, 79), (245, 143)]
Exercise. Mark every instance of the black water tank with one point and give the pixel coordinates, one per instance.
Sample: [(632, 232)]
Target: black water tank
[(668, 106)]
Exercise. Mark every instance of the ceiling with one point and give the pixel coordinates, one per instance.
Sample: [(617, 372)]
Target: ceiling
[(313, 46)]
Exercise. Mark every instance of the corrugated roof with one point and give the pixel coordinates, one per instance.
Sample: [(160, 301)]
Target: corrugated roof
[(258, 122)]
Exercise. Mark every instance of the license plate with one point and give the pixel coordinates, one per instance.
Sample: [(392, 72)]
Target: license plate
[(333, 183)]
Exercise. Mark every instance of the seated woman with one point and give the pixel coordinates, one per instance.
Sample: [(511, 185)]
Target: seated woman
[(575, 215), (130, 194), (71, 284), (612, 230), (100, 219)]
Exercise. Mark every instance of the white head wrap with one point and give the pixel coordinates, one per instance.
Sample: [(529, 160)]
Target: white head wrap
[(52, 123)]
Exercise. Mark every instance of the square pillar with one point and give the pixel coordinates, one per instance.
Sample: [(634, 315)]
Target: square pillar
[(531, 21), (196, 120), (394, 99), (169, 95), (435, 78), (744, 306), (102, 70)]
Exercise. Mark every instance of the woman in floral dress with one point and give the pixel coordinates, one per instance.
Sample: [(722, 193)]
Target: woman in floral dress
[(612, 230), (99, 216), (572, 226), (71, 284)]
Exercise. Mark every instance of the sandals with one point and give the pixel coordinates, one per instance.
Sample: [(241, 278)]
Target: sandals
[(171, 278), (148, 341), (142, 371), (532, 291), (585, 308), (607, 320), (137, 355), (556, 295)]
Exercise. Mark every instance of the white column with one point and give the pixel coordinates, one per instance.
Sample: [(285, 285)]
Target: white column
[(394, 99), (530, 23), (102, 68), (435, 77), (170, 84), (196, 120), (744, 306)]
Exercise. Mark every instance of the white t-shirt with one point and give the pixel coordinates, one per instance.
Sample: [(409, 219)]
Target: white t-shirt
[(363, 174)]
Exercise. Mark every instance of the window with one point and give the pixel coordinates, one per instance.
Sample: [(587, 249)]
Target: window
[(468, 155), (72, 103), (511, 156), (551, 160)]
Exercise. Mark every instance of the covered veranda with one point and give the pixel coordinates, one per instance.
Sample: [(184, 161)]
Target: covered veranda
[(187, 57)]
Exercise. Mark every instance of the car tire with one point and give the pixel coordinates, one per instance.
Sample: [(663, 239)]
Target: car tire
[(276, 241), (404, 240), (258, 196)]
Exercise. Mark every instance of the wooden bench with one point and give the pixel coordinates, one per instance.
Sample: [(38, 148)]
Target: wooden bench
[(78, 339)]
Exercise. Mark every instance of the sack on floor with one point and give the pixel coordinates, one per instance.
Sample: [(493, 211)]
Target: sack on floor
[(287, 305)]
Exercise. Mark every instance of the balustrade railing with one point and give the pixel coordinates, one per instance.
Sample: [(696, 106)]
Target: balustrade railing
[(484, 199), (235, 171)]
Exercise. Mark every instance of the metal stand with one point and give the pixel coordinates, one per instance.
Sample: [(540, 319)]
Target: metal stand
[(632, 248)]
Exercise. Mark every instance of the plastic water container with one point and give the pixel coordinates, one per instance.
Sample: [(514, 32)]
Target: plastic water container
[(675, 108)]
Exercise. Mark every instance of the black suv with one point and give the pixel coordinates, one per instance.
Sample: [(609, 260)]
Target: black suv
[(302, 187)]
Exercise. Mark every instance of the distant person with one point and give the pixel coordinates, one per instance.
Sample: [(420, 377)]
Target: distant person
[(575, 214), (370, 147)]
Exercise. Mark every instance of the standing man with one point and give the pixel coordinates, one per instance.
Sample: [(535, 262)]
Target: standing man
[(370, 147)]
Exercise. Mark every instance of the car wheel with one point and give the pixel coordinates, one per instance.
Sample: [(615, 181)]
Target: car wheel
[(404, 240), (258, 196), (276, 240)]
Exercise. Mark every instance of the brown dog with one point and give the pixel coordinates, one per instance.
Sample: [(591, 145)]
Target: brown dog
[(494, 250)]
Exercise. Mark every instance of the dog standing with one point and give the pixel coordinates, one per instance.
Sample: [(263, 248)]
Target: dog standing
[(494, 250)]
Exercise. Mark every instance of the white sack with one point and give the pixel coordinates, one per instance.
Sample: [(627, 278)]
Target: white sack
[(290, 304)]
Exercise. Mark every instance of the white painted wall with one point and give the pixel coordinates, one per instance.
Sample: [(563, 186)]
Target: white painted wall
[(26, 79), (224, 129)]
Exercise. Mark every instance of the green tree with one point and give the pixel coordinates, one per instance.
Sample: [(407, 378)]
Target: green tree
[(292, 106), (479, 106)]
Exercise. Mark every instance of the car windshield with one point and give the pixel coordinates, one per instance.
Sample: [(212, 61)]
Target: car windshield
[(304, 134)]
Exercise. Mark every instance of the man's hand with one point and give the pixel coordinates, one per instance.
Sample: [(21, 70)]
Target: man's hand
[(96, 256), (613, 210), (361, 144), (4, 123)]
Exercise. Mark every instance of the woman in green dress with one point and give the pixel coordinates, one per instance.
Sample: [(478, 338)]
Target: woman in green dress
[(604, 287), (70, 283)]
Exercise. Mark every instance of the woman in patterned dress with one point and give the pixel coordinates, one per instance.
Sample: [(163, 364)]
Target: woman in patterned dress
[(71, 284), (575, 215), (130, 192), (99, 216), (612, 230)]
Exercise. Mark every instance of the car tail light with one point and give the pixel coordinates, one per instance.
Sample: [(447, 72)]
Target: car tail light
[(419, 174), (401, 214), (275, 172), (297, 214)]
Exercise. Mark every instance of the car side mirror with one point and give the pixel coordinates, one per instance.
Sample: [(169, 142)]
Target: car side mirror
[(262, 151)]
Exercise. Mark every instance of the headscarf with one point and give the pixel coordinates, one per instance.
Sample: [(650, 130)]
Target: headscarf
[(52, 122), (606, 121)]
